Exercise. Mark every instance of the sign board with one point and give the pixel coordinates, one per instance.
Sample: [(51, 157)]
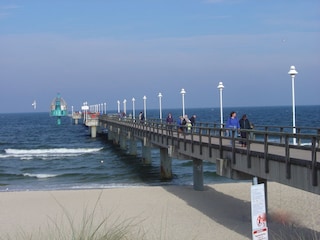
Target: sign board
[(258, 213)]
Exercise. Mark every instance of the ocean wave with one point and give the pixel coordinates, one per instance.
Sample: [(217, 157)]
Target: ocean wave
[(39, 175), (27, 154)]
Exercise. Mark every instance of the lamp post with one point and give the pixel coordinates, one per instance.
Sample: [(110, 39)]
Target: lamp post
[(160, 110), (85, 108), (145, 107), (118, 102), (133, 109), (183, 92), (125, 107), (220, 87), (293, 73)]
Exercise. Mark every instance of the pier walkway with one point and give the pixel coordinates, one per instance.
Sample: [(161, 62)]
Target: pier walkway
[(269, 153)]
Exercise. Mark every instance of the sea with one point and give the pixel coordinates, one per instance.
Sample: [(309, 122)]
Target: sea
[(38, 154)]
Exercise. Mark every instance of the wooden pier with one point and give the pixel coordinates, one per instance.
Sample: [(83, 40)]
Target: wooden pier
[(268, 155)]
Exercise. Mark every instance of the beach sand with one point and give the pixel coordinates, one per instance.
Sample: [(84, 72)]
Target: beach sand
[(221, 211)]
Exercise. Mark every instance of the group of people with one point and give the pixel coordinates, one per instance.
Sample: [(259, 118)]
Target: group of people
[(243, 123), (183, 122)]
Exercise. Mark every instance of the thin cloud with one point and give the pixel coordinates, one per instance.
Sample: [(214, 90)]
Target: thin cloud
[(3, 15), (9, 7), (5, 10)]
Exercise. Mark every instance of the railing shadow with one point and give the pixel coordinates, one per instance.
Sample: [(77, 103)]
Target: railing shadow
[(235, 214)]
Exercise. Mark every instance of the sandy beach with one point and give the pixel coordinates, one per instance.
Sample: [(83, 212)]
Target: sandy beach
[(221, 211)]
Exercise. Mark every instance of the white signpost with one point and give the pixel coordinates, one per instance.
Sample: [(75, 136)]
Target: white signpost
[(258, 213)]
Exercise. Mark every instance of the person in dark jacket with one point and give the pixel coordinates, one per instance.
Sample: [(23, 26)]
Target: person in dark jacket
[(169, 119), (180, 124), (244, 124), (193, 121)]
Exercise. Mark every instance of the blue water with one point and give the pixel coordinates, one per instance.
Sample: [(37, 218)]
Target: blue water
[(38, 154)]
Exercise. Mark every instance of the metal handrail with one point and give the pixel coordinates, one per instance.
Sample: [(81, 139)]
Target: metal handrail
[(255, 135)]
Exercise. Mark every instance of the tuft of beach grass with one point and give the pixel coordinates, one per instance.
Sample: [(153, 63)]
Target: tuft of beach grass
[(90, 225)]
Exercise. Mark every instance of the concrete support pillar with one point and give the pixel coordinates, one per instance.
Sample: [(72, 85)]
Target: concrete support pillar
[(198, 174), (165, 161), (110, 133), (116, 137), (93, 130), (123, 142), (146, 154), (132, 147)]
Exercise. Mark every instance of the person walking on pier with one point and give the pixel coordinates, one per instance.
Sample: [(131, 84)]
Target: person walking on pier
[(141, 117), (187, 124), (244, 124), (193, 121), (169, 119), (232, 124), (180, 124)]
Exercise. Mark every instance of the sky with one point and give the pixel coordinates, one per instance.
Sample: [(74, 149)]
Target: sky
[(104, 51)]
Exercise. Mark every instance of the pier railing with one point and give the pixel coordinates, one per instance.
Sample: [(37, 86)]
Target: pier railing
[(305, 136), (266, 135)]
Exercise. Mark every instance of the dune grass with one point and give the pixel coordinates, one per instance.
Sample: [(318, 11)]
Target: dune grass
[(90, 225)]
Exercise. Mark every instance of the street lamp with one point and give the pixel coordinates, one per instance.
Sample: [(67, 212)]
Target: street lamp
[(145, 107), (220, 87), (160, 96), (125, 107), (293, 73), (133, 109), (85, 108), (118, 102), (183, 92)]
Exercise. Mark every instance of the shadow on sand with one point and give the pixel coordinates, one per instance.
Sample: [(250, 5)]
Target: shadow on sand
[(235, 214)]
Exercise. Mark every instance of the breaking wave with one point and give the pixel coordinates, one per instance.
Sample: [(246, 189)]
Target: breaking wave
[(40, 175), (46, 153)]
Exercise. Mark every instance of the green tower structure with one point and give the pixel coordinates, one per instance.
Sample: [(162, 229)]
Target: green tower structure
[(58, 108)]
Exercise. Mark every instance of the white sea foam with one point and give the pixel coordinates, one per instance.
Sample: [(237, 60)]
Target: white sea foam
[(27, 154), (40, 175)]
